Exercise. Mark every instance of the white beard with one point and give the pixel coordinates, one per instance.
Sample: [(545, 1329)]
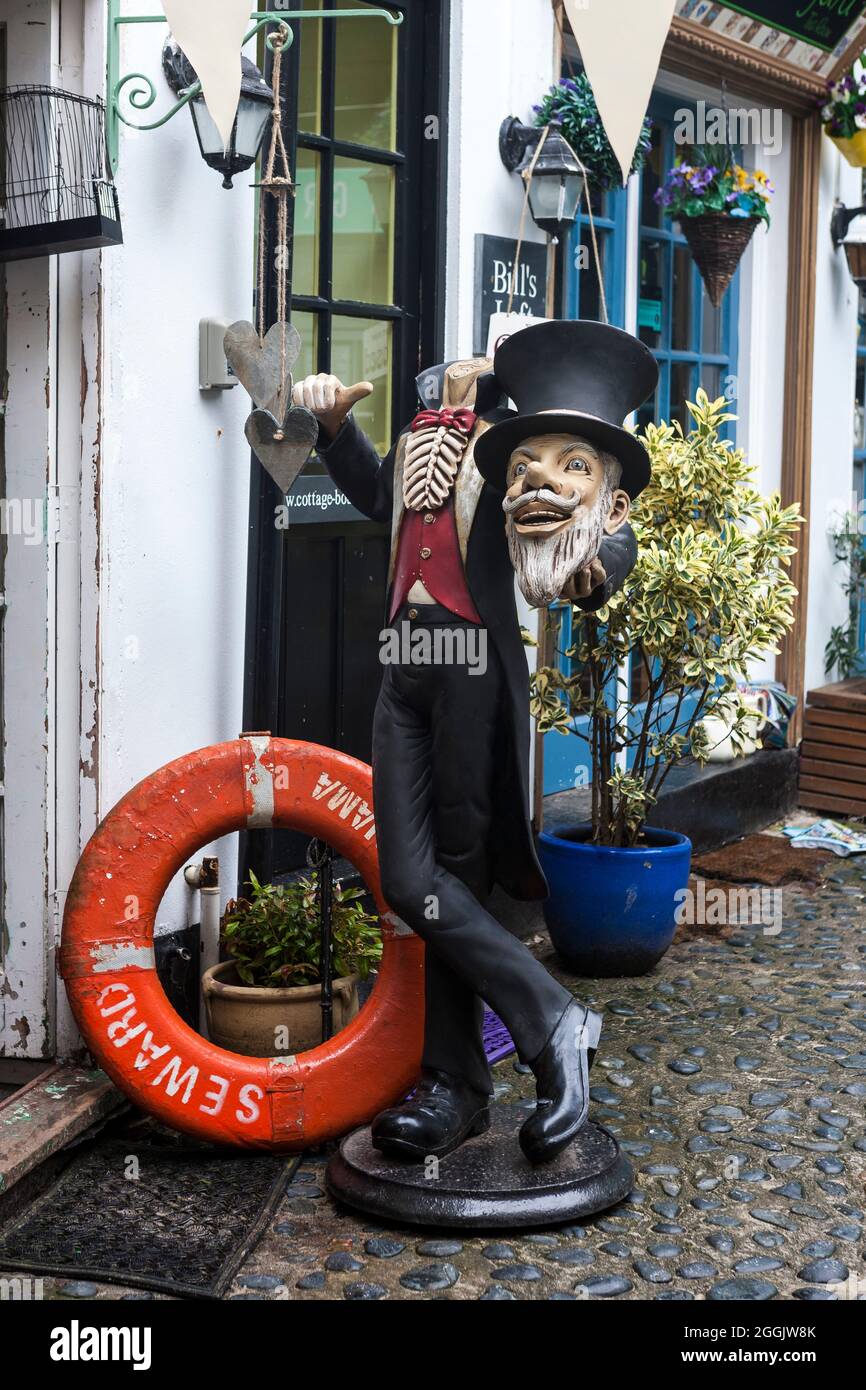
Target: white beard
[(545, 564)]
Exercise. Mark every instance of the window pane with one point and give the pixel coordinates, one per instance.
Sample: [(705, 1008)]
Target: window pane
[(305, 265), (681, 325), (681, 391), (859, 404), (365, 81), (711, 332), (651, 409), (711, 380), (653, 172), (598, 201), (362, 350), (310, 70), (651, 306), (588, 297), (363, 231), (308, 358), (306, 365)]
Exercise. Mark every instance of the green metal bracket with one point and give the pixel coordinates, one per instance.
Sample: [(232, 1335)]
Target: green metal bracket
[(142, 96)]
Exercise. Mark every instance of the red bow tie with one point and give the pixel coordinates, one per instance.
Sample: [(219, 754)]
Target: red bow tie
[(463, 420)]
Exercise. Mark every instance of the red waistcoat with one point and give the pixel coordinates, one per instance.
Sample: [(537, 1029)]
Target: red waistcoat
[(428, 549)]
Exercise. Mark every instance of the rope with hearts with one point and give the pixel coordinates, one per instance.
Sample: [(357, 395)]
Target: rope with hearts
[(279, 185)]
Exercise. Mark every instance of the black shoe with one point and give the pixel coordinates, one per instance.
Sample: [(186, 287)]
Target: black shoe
[(441, 1115), (562, 1085)]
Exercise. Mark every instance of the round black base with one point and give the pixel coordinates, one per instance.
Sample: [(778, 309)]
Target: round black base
[(486, 1184)]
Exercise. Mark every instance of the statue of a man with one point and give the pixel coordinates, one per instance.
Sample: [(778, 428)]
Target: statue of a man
[(451, 741)]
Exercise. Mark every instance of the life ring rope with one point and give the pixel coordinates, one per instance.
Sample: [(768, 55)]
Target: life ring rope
[(281, 1103)]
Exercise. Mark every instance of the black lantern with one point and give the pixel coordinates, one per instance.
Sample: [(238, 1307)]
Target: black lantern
[(556, 181), (253, 113), (848, 229)]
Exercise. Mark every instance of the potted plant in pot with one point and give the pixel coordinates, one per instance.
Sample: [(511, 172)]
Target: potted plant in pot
[(570, 107), (843, 112), (718, 204), (709, 594), (272, 977)]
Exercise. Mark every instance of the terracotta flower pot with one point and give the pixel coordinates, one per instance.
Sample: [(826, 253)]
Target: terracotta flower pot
[(244, 1018), (853, 147), (718, 242)]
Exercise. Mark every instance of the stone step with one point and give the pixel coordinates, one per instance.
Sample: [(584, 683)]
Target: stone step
[(40, 1119)]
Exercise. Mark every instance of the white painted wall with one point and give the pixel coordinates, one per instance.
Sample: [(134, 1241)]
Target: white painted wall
[(176, 466), (833, 410), (499, 66), (26, 932), (515, 53)]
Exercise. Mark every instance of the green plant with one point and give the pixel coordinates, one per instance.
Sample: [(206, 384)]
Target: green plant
[(709, 594), (570, 106), (843, 109), (701, 186), (274, 938), (842, 652)]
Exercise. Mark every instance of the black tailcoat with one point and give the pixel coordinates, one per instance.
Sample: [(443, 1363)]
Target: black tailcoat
[(368, 482)]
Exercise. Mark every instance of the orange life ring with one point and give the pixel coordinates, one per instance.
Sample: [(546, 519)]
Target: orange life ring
[(106, 959)]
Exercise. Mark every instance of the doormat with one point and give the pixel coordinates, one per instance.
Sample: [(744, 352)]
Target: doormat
[(766, 859), (177, 1219)]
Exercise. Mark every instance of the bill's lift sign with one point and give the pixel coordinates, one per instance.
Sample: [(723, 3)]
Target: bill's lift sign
[(819, 22), (495, 279)]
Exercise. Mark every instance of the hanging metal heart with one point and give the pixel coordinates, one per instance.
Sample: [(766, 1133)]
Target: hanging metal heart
[(258, 366), (282, 450)]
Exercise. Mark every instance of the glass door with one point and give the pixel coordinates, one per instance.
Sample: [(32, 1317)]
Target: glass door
[(366, 297)]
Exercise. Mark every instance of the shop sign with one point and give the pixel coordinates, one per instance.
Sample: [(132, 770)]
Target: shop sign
[(315, 497), (820, 22), (495, 258)]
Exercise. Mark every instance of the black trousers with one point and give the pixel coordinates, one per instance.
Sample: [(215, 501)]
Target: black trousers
[(434, 751)]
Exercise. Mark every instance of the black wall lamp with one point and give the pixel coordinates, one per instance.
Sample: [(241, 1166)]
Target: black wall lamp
[(552, 173), (848, 229), (251, 122)]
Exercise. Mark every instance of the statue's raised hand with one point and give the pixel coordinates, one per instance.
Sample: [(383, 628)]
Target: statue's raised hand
[(328, 399)]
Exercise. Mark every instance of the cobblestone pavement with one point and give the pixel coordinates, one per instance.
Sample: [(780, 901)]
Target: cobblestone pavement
[(734, 1076)]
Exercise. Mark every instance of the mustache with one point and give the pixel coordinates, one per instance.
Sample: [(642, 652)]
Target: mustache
[(566, 505)]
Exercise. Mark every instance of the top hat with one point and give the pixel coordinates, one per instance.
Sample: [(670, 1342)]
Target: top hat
[(571, 377)]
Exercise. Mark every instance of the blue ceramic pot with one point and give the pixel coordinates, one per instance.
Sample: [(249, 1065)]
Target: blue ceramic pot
[(612, 911)]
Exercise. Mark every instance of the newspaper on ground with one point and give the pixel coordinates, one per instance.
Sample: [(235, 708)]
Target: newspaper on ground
[(828, 834)]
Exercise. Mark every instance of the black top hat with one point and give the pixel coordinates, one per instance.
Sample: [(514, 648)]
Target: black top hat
[(571, 377)]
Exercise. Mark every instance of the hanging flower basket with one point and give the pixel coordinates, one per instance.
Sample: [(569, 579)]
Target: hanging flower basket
[(570, 108), (853, 147), (843, 111), (718, 207), (718, 243)]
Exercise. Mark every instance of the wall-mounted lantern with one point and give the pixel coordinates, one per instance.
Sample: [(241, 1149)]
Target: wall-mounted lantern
[(136, 90), (552, 173), (848, 229), (251, 121)]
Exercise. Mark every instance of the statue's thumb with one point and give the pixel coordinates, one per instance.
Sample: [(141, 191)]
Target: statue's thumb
[(351, 395)]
